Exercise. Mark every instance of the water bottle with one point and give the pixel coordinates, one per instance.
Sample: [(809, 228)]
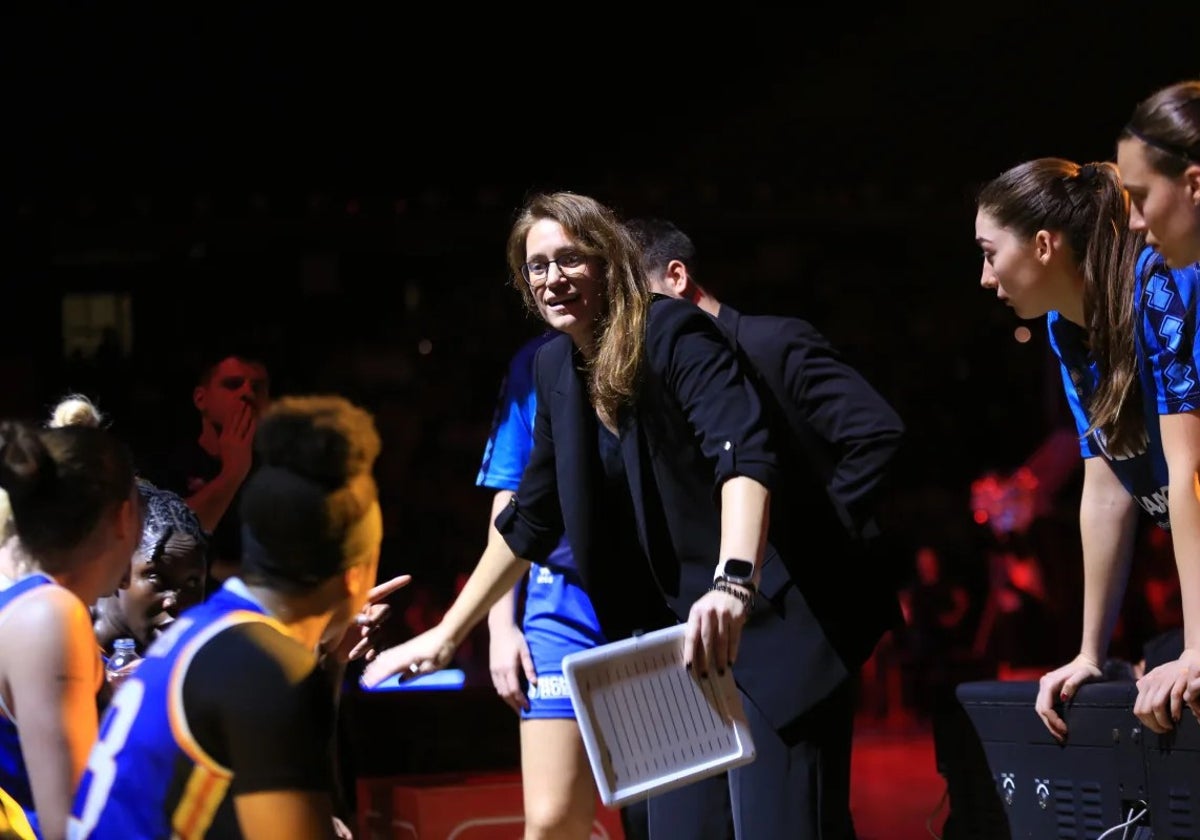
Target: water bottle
[(124, 652)]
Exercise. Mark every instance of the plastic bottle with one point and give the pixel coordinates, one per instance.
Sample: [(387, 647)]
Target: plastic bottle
[(124, 652)]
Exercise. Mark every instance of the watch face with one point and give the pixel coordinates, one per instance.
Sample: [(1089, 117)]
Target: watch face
[(738, 568)]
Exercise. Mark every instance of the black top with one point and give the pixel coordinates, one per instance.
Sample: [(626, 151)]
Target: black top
[(275, 730), (623, 591)]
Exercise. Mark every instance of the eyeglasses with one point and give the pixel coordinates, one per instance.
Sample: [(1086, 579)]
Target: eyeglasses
[(537, 272)]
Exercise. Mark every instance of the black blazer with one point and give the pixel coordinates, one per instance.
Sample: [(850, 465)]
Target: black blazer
[(850, 431), (699, 421)]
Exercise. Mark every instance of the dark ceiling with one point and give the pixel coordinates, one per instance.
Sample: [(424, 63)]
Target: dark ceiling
[(266, 97)]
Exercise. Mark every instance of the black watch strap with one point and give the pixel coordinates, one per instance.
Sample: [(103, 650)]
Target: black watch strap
[(741, 591), (748, 585)]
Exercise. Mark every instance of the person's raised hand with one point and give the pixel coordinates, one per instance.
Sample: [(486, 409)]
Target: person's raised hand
[(360, 637), (236, 442)]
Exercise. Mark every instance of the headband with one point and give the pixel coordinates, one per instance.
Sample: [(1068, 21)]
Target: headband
[(1162, 146)]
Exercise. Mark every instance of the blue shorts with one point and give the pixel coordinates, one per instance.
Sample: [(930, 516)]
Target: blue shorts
[(559, 619)]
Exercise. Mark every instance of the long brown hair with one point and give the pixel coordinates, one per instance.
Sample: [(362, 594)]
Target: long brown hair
[(1087, 204), (620, 332)]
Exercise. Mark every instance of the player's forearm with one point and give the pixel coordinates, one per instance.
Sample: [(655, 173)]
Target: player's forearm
[(1181, 445), (502, 616), (1107, 522), (497, 572), (1185, 535)]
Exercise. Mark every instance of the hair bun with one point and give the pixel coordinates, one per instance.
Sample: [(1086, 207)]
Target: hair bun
[(75, 410), (22, 458), (325, 439)]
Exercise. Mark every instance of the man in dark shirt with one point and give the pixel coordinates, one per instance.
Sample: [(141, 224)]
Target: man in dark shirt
[(837, 417), (209, 470)]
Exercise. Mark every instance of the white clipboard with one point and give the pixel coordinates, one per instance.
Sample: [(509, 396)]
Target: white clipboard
[(650, 725)]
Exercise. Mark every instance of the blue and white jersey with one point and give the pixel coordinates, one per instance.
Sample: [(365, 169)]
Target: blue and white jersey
[(14, 776), (557, 615), (511, 440)]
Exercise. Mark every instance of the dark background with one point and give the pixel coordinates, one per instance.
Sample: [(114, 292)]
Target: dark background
[(335, 186)]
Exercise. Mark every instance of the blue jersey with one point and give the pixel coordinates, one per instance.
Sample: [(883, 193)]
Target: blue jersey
[(14, 777), (172, 752), (1166, 353), (1168, 340), (558, 616), (511, 441), (1144, 474)]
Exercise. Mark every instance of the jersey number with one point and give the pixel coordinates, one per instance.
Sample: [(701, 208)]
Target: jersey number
[(102, 764)]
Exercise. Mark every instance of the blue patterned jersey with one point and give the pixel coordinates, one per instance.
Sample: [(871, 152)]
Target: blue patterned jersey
[(1167, 340), (1144, 474), (223, 704), (14, 777), (1166, 350)]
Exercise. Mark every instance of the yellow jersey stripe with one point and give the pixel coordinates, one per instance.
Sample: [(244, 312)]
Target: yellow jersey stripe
[(175, 713), (201, 797)]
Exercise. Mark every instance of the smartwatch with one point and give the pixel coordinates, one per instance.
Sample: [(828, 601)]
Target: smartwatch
[(740, 572)]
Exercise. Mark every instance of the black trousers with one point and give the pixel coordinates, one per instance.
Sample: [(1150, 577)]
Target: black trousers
[(797, 787)]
